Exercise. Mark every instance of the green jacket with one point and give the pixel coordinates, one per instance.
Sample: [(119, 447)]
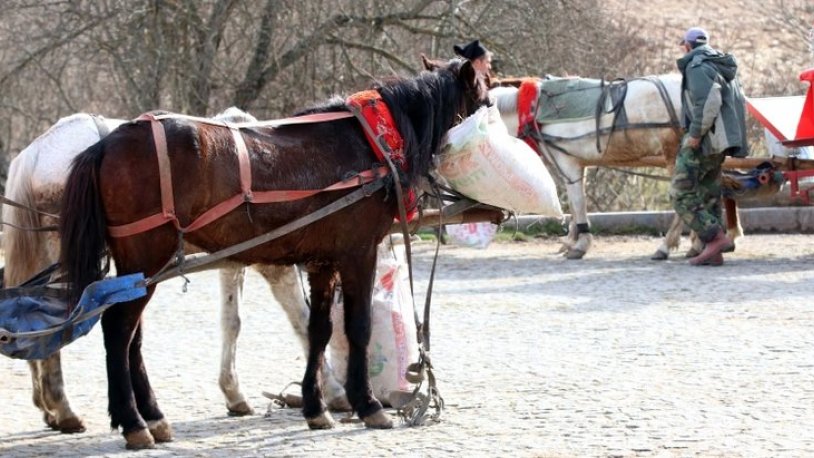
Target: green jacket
[(713, 105)]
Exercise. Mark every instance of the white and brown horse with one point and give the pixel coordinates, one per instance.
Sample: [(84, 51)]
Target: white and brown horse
[(637, 125), (36, 180)]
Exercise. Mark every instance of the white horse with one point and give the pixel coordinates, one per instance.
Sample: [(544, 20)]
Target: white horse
[(36, 180), (638, 126)]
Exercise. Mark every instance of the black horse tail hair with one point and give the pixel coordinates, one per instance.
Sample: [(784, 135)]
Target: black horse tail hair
[(82, 223)]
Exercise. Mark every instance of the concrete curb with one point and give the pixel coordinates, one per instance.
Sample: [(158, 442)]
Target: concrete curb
[(754, 220)]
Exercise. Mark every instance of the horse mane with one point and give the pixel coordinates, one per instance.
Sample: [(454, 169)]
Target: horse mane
[(423, 108)]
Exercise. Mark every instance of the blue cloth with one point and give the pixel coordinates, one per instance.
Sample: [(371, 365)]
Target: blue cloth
[(43, 308)]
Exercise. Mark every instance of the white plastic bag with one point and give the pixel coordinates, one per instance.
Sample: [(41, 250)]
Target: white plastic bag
[(478, 235), (483, 162), (393, 345)]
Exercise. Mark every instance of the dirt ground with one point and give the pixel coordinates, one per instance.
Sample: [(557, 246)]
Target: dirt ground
[(613, 355)]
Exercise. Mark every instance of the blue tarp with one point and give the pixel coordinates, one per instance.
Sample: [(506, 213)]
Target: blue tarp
[(34, 322)]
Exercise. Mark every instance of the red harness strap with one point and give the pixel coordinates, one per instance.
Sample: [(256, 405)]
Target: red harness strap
[(527, 96), (383, 136), (246, 194)]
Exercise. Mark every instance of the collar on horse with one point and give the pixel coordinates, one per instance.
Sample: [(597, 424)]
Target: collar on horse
[(384, 137), (527, 96)]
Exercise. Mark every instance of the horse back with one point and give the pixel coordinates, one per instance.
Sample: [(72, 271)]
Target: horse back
[(205, 172)]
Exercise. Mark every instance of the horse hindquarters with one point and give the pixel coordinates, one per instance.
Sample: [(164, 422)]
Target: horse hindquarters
[(26, 253)]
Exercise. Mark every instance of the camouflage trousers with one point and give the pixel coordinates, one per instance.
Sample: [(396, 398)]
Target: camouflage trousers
[(695, 191)]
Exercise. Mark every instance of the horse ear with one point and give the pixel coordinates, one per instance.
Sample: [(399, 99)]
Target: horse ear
[(428, 64)]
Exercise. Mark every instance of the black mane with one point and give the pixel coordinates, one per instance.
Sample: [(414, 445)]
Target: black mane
[(423, 107)]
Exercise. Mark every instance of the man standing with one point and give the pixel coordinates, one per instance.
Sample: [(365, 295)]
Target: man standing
[(713, 113)]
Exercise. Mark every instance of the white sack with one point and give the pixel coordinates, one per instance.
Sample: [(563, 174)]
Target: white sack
[(483, 162), (393, 345)]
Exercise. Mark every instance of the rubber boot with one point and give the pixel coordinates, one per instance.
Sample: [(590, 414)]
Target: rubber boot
[(715, 260), (713, 247)]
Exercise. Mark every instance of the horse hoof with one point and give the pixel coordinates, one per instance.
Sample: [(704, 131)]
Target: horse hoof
[(160, 430), (340, 404), (240, 409), (574, 254), (71, 425), (321, 421), (139, 439), (378, 420), (51, 421), (659, 256)]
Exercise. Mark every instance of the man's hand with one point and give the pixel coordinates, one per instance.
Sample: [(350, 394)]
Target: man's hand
[(693, 142)]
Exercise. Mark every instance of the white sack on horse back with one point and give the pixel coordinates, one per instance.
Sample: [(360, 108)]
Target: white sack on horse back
[(393, 345), (483, 162)]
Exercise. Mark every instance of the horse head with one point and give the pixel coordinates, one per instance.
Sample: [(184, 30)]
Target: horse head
[(474, 86)]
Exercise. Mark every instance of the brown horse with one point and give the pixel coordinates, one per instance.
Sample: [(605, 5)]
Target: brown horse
[(116, 182)]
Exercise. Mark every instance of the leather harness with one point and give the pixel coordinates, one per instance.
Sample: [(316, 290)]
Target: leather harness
[(246, 194)]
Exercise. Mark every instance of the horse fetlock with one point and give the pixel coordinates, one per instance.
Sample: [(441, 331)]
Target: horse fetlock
[(139, 439), (321, 421), (378, 420), (160, 430)]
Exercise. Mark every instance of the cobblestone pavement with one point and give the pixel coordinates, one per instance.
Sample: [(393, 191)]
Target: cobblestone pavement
[(614, 355)]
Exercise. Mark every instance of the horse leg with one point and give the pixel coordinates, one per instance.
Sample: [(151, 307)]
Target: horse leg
[(734, 230), (323, 282), (579, 230), (671, 240), (119, 325), (49, 395), (231, 294), (41, 250), (287, 290), (145, 398), (357, 277)]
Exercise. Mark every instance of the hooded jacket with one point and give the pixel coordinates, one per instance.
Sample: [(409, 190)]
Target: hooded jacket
[(713, 105)]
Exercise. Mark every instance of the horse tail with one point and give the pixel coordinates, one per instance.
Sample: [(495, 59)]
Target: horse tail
[(24, 250), (82, 225)]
